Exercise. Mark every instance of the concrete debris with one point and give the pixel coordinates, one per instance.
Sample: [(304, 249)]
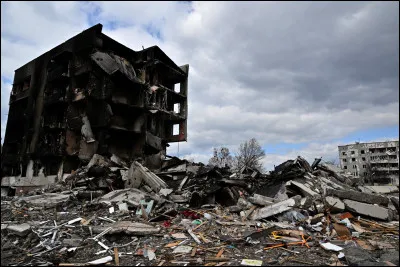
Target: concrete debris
[(88, 169), (19, 229), (261, 200), (276, 208), (101, 261), (383, 189), (137, 173), (47, 200), (188, 212), (182, 249), (73, 242), (165, 192), (336, 204), (129, 228), (304, 189), (370, 210), (330, 246), (359, 196)]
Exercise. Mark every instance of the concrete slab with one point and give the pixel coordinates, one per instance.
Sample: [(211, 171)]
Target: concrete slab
[(365, 190), (138, 174), (178, 198), (356, 255), (276, 208), (395, 201), (261, 200), (165, 191), (19, 229), (127, 227), (359, 196), (281, 194), (385, 189), (368, 210), (16, 181), (330, 183), (47, 200), (123, 206), (4, 191), (123, 195), (305, 202), (306, 191), (338, 204)]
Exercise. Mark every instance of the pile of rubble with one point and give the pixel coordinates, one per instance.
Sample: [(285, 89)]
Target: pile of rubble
[(112, 212)]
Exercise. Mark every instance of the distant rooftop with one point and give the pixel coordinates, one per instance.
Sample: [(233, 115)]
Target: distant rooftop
[(360, 143)]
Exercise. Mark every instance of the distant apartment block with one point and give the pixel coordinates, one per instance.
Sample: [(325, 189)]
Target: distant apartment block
[(380, 158)]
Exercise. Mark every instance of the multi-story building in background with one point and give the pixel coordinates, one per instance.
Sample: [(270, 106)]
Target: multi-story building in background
[(380, 160)]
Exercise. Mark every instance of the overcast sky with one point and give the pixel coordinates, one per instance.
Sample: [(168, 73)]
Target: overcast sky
[(300, 77)]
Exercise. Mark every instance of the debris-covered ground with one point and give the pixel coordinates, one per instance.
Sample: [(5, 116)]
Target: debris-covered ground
[(113, 213)]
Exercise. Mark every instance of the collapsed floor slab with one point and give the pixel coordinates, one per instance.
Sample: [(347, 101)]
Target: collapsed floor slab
[(368, 210), (358, 196)]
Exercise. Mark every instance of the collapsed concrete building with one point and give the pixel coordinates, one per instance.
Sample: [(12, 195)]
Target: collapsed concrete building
[(91, 95)]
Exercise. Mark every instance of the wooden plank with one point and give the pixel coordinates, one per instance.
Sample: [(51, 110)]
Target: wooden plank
[(194, 250), (116, 256), (220, 253)]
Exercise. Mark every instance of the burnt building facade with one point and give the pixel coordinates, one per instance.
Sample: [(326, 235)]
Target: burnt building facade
[(92, 95)]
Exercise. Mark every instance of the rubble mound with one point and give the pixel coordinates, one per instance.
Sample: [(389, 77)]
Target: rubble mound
[(117, 213)]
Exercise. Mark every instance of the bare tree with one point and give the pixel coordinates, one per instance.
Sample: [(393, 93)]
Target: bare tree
[(249, 155), (221, 158)]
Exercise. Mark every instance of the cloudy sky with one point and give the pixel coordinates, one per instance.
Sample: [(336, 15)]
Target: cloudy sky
[(300, 77)]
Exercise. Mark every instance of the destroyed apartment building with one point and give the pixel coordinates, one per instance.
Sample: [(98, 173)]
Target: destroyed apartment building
[(92, 95), (378, 159)]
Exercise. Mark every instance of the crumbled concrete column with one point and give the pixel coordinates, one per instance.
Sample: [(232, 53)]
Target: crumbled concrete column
[(359, 196), (368, 210), (276, 208)]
